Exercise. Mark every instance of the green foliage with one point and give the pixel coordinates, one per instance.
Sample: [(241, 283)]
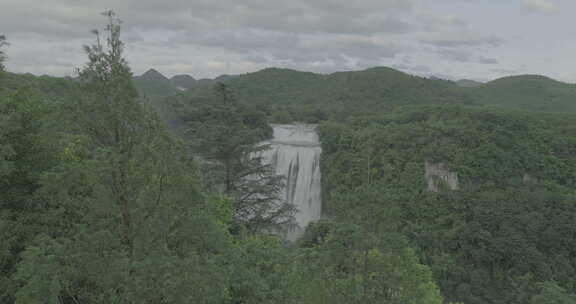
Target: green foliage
[(227, 135), (362, 258), (3, 43), (133, 226), (46, 88), (300, 96), (26, 151), (311, 97), (153, 84), (550, 292), (263, 271), (504, 230), (527, 92)]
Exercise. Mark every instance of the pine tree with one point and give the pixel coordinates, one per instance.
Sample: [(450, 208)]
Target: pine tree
[(133, 226), (3, 43), (231, 147)]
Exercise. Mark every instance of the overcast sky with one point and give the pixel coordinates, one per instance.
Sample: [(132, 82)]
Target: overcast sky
[(476, 39)]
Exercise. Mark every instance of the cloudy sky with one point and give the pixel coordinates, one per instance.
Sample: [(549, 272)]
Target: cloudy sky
[(476, 39)]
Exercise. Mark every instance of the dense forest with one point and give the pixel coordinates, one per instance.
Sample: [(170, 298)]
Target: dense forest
[(122, 189)]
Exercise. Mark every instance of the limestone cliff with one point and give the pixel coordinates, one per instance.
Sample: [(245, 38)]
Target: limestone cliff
[(437, 174)]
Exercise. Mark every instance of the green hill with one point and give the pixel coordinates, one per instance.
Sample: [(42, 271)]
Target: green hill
[(467, 83), (294, 95), (153, 84), (46, 87), (527, 92), (183, 82), (313, 97)]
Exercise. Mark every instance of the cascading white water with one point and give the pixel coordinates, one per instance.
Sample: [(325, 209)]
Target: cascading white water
[(295, 154)]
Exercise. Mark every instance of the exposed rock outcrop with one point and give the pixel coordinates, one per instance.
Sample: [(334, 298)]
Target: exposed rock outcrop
[(438, 176)]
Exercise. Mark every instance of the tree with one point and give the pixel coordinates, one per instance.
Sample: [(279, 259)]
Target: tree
[(362, 257), (25, 152), (263, 271), (133, 226), (230, 144), (551, 293), (3, 43)]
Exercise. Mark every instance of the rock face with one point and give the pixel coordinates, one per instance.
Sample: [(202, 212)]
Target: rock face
[(295, 154), (526, 178), (438, 176)]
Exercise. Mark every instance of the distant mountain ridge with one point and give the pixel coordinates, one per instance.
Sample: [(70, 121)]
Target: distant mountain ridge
[(528, 92), (154, 84), (380, 89), (153, 75), (467, 83), (376, 88), (183, 81)]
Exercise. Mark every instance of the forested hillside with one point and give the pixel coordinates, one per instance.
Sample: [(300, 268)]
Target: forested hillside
[(291, 95), (122, 189), (506, 230), (499, 233), (528, 92)]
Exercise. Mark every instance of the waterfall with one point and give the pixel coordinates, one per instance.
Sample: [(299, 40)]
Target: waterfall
[(295, 154)]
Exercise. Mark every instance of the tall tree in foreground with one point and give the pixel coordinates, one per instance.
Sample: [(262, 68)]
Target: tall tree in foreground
[(230, 144), (3, 43), (133, 227)]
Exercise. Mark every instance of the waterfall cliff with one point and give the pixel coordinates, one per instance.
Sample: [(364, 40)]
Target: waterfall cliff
[(295, 154)]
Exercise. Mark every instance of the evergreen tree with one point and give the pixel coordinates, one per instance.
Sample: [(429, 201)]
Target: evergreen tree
[(3, 43), (133, 226), (230, 143)]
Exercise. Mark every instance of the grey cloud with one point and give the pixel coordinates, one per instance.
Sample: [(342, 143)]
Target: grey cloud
[(540, 6), (401, 66), (505, 71), (419, 69), (484, 60), (395, 26), (434, 22), (464, 56), (345, 5), (304, 48), (462, 40), (259, 31), (363, 47), (245, 40), (335, 16), (228, 36), (335, 50), (455, 55)]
